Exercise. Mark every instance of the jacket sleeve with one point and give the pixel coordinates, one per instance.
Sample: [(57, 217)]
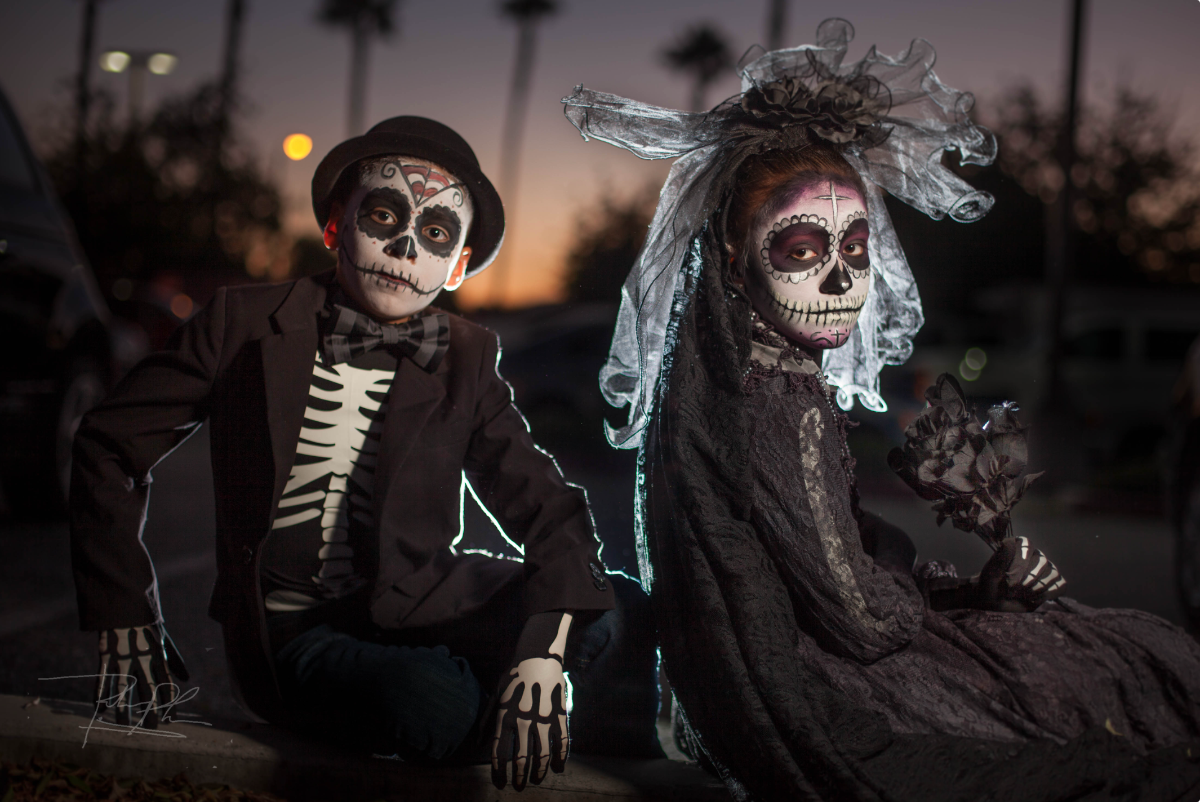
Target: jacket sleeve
[(524, 490), (852, 605), (157, 406)]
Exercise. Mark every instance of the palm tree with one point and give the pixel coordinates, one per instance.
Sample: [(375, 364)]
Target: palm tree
[(703, 53), (527, 14), (362, 17)]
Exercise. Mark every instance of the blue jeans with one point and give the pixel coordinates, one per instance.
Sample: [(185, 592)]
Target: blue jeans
[(421, 694)]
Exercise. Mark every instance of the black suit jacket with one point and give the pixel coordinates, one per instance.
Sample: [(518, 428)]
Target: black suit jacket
[(245, 363)]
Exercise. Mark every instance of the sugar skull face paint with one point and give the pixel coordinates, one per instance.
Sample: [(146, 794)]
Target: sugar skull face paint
[(807, 271), (402, 233)]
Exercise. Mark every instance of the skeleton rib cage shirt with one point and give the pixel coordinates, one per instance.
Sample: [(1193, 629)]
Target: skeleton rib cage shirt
[(324, 515)]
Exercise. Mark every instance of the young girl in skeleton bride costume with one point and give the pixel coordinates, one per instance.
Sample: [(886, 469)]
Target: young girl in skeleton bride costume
[(805, 658)]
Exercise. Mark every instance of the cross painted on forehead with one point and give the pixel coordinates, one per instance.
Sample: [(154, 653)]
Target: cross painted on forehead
[(833, 198)]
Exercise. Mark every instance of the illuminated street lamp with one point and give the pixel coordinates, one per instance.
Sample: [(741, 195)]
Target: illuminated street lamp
[(297, 146), (138, 62)]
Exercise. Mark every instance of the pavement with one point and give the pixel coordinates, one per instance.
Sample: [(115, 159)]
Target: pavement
[(258, 757)]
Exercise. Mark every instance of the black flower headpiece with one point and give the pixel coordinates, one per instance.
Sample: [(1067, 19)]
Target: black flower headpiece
[(893, 121), (838, 109)]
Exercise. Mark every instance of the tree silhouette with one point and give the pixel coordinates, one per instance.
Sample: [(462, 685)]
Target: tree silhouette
[(157, 203), (363, 18), (526, 14), (611, 235), (1136, 206), (1137, 195), (703, 53)]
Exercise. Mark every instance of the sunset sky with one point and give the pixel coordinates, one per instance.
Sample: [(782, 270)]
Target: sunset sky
[(452, 60)]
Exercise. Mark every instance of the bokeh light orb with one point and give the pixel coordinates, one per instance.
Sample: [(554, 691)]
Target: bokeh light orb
[(297, 146), (181, 305), (115, 61), (161, 63)]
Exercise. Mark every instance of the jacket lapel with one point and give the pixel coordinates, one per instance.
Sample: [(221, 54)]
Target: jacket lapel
[(413, 397), (287, 358)]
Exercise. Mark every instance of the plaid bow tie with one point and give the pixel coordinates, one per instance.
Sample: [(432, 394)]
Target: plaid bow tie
[(423, 339)]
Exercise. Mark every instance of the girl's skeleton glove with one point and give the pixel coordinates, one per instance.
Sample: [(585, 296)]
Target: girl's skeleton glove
[(1018, 578), (138, 662), (531, 721)]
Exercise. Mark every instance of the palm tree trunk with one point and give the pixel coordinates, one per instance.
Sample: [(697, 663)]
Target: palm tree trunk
[(358, 75), (518, 101), (776, 22), (234, 16), (510, 147), (698, 92), (83, 90)]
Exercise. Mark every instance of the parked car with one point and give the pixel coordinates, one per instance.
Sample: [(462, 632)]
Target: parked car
[(552, 358), (55, 327)]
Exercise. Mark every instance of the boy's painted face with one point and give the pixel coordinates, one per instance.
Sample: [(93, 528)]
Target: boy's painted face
[(807, 271), (401, 237)]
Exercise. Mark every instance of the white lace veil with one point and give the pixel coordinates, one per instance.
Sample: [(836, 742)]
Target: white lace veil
[(917, 119)]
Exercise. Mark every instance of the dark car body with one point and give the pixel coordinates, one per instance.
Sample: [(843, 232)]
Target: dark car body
[(552, 360), (54, 325)]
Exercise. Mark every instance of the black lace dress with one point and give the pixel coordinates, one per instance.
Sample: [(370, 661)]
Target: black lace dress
[(806, 670), (1051, 674)]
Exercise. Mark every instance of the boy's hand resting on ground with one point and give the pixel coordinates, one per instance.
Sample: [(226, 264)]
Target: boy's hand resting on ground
[(138, 662), (531, 721), (1018, 578)]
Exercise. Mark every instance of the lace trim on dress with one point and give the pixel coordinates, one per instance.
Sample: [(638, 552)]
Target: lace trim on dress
[(771, 355)]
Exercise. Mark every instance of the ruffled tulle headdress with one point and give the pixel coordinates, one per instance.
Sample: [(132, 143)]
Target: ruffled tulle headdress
[(892, 120)]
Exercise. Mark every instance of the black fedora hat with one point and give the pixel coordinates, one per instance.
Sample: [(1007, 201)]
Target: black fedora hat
[(425, 139)]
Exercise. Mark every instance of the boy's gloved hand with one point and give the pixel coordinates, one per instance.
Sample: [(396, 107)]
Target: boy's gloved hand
[(138, 662), (531, 722)]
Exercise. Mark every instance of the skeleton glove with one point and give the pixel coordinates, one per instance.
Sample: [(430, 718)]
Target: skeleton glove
[(138, 662), (531, 721), (1018, 578)]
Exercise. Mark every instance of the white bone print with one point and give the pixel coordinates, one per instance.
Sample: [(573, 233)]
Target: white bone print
[(337, 434)]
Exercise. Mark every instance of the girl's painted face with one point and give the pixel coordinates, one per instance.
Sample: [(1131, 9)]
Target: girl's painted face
[(807, 271), (403, 231)]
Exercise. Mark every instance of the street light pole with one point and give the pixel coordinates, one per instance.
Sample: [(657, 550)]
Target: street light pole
[(137, 89), (1056, 440), (1062, 234), (83, 89)]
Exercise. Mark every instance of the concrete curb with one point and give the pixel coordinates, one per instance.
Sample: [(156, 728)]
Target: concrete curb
[(264, 758)]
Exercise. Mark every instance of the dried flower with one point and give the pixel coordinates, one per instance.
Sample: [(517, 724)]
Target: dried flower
[(972, 473)]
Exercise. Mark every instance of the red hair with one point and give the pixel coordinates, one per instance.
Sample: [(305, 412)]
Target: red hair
[(765, 183)]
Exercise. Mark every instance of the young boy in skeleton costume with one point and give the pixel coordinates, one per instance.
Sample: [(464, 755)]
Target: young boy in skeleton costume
[(346, 414)]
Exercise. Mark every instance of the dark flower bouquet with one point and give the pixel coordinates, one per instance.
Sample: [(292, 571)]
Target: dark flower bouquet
[(971, 472)]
